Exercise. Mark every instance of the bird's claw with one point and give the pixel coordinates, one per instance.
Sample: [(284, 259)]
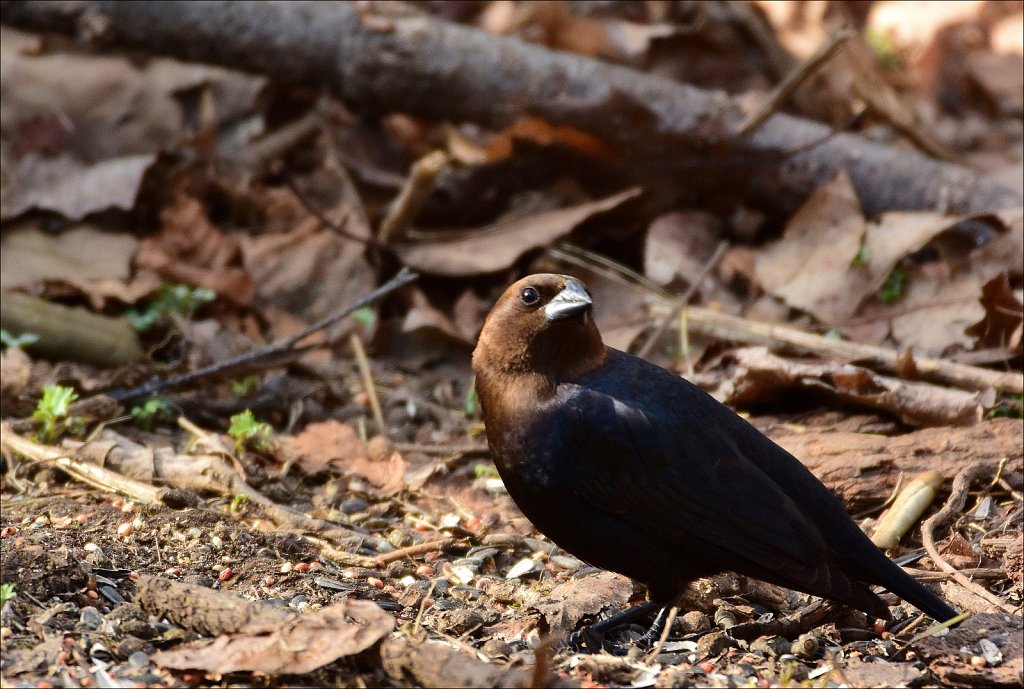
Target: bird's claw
[(588, 640)]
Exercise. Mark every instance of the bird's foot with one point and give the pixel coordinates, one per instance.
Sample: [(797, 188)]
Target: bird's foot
[(590, 640)]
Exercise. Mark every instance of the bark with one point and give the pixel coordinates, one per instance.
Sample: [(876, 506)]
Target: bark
[(384, 58)]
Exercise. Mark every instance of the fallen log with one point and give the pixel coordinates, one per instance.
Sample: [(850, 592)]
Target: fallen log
[(381, 57)]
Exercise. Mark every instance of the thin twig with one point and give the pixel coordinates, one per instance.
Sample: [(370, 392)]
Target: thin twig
[(368, 384), (673, 611), (92, 474), (280, 351), (412, 551), (681, 302), (953, 506), (409, 201), (795, 78)]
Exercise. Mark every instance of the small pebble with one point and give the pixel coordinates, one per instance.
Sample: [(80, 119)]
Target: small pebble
[(8, 531), (269, 580), (978, 661), (217, 541), (218, 567), (6, 632), (92, 595), (138, 523), (285, 567)]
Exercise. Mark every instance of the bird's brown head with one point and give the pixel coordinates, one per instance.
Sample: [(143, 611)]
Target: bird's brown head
[(542, 324)]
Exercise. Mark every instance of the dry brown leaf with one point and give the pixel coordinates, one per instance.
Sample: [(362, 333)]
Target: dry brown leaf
[(679, 244), (423, 314), (190, 249), (570, 602), (542, 133), (321, 444), (497, 247), (309, 272), (80, 256), (334, 446), (296, 646), (810, 266), (73, 189), (760, 375), (1003, 322)]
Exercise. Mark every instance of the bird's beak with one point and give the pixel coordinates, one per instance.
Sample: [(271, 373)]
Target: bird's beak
[(573, 299)]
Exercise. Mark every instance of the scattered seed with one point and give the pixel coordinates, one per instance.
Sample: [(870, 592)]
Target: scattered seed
[(90, 547), (225, 574), (6, 632), (8, 531), (217, 541), (473, 523), (172, 572), (92, 595), (978, 661), (407, 580), (390, 588), (128, 506), (125, 530), (285, 567), (138, 523), (375, 582), (425, 570), (350, 574), (269, 580), (422, 526), (315, 565), (301, 566), (218, 567), (193, 532), (134, 576)]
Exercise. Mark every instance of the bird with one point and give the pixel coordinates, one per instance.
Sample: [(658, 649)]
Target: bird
[(634, 469)]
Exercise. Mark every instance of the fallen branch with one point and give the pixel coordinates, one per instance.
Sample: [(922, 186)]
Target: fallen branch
[(952, 508), (390, 58), (275, 354), (738, 329)]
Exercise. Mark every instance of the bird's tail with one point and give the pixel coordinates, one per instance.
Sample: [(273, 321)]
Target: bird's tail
[(876, 568)]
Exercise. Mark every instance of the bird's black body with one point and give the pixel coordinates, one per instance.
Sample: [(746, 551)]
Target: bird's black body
[(638, 471)]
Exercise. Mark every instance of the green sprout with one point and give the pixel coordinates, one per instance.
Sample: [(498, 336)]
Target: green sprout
[(52, 409), (171, 299), (471, 405), (833, 334), (248, 432), (1010, 407), (6, 594), (885, 50), (365, 317), (17, 341), (149, 413), (895, 286), (237, 501), (243, 387), (482, 470), (862, 258)]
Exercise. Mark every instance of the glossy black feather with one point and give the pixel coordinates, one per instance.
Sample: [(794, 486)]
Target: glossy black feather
[(636, 470)]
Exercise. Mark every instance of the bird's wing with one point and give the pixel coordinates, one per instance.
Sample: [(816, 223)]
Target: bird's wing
[(684, 480)]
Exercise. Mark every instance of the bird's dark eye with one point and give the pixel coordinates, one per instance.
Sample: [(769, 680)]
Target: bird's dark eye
[(529, 296)]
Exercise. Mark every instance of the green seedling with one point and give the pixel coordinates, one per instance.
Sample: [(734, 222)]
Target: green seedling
[(833, 334), (243, 387), (862, 258), (365, 317), (52, 410), (1011, 407), (171, 299), (6, 594), (895, 286), (148, 414), (482, 470), (246, 431), (237, 501), (471, 405), (17, 341), (884, 49)]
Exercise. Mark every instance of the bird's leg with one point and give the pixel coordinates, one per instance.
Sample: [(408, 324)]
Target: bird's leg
[(653, 635), (592, 636)]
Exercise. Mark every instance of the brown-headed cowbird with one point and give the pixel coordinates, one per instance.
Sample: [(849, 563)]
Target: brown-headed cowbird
[(634, 469)]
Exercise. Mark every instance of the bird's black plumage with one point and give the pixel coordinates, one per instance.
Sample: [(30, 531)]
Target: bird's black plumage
[(638, 471)]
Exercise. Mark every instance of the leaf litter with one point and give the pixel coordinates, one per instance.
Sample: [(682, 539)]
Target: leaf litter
[(401, 552)]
